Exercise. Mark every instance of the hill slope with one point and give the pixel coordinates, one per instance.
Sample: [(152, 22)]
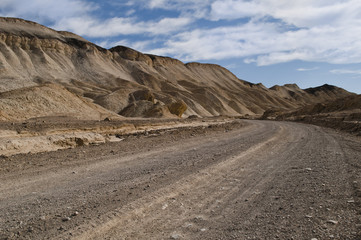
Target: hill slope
[(47, 100), (131, 83), (343, 114)]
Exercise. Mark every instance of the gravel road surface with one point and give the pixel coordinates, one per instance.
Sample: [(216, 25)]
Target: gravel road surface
[(240, 180)]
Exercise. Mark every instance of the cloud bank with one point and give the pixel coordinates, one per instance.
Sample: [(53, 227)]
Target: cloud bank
[(263, 32)]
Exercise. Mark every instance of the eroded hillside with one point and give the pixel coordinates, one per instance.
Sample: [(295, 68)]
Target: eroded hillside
[(121, 81), (343, 114)]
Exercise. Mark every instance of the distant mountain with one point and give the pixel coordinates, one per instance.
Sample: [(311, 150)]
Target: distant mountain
[(342, 114), (347, 107), (36, 61)]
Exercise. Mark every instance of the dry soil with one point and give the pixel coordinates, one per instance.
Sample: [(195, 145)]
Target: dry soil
[(240, 180)]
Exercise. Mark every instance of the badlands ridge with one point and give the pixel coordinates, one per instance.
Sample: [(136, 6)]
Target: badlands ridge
[(44, 72)]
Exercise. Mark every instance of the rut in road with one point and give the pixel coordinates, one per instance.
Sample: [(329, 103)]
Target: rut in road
[(196, 206), (195, 198), (261, 181)]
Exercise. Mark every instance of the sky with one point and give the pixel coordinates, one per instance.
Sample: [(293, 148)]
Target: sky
[(274, 42)]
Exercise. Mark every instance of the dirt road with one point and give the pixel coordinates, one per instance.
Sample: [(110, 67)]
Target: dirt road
[(242, 180)]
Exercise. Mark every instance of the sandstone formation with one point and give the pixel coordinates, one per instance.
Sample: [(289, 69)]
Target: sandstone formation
[(44, 72)]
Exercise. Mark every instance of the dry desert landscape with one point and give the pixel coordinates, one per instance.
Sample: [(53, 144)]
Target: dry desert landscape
[(116, 144)]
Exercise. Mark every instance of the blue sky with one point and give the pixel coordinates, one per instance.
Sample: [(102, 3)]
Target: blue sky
[(306, 42)]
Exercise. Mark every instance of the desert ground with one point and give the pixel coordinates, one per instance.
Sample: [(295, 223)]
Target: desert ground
[(113, 143), (206, 179)]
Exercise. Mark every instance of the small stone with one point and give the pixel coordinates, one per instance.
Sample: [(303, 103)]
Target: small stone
[(199, 218), (76, 213), (175, 236), (332, 222), (308, 216), (43, 218), (351, 201), (314, 239), (308, 169), (66, 219), (203, 229)]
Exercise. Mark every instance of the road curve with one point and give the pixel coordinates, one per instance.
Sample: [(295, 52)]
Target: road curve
[(252, 180)]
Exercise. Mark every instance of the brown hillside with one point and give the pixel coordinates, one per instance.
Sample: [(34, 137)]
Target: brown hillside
[(32, 54), (342, 106), (48, 100), (343, 113)]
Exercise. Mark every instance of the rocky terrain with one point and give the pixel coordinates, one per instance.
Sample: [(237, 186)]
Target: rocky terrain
[(55, 133), (343, 114), (116, 144), (49, 76), (36, 61), (237, 180)]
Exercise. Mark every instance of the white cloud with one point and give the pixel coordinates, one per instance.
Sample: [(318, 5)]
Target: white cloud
[(267, 31), (77, 16), (45, 10), (177, 4), (116, 26), (231, 9), (157, 4), (346, 71), (321, 31), (267, 43), (130, 12), (307, 69), (301, 13), (187, 8)]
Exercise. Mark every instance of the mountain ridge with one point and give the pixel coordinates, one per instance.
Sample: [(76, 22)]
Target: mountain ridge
[(32, 54)]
